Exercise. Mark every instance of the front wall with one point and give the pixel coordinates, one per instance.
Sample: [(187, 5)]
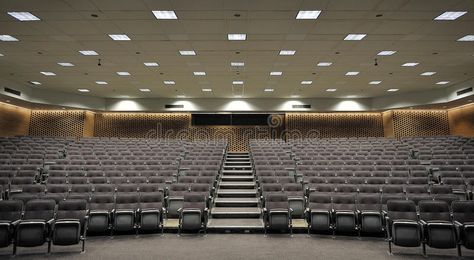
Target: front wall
[(329, 125)]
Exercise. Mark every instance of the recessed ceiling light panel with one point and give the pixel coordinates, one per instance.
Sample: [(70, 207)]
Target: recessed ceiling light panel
[(48, 73), (308, 15), (287, 52), (268, 90), (375, 82), (236, 36), (355, 37), (449, 16), (24, 16), (352, 73), (324, 64), (276, 73), (442, 82), (151, 64), (84, 90), (199, 73), (66, 64), (145, 90), (392, 90), (89, 53), (410, 64), (206, 90), (169, 82), (7, 38), (331, 90), (187, 53), (237, 63), (119, 37), (165, 15), (306, 82), (123, 73), (386, 53), (428, 73), (467, 38), (101, 82)]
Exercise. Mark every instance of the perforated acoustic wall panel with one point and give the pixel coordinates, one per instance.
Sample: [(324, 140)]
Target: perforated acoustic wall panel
[(14, 120), (68, 123), (327, 125), (142, 125), (420, 122)]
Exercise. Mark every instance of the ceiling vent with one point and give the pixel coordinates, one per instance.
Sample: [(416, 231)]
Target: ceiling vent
[(174, 106), (12, 91), (464, 91), (301, 106)]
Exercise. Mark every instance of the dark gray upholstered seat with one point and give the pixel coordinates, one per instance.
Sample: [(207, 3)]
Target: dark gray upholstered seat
[(10, 211), (70, 225), (403, 227), (277, 212), (193, 215)]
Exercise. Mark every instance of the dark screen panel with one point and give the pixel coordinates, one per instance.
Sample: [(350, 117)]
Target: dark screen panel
[(249, 119), (211, 119)]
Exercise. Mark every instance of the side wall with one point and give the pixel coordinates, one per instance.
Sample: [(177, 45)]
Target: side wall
[(461, 120), (14, 120)]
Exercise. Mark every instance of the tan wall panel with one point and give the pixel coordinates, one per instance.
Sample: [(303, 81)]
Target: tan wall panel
[(461, 120), (328, 125), (387, 118), (420, 122), (68, 123), (14, 120), (142, 125), (88, 124)]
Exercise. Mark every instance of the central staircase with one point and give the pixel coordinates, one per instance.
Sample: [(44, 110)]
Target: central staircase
[(236, 205)]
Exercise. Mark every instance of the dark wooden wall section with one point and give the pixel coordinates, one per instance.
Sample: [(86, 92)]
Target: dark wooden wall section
[(327, 125), (461, 120), (142, 125), (420, 123), (14, 120), (67, 123)]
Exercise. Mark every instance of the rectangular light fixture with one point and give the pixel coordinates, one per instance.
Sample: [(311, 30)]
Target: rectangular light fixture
[(206, 90), (199, 73), (295, 96), (187, 53), (24, 16), (180, 96), (287, 52), (331, 90), (151, 64), (169, 82), (119, 37), (308, 14), (48, 73), (352, 73), (392, 90), (123, 73), (145, 90), (7, 38), (428, 73), (83, 90), (276, 73), (237, 82), (236, 36), (410, 64), (355, 37), (442, 82), (375, 82), (386, 53), (467, 38), (36, 83), (237, 63), (324, 64), (1, 55), (306, 82), (101, 82), (268, 90), (165, 15), (89, 53), (66, 64), (449, 16)]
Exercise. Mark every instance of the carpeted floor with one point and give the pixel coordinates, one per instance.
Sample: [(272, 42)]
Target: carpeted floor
[(232, 246)]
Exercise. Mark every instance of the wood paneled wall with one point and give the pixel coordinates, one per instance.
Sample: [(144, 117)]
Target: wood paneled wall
[(67, 123), (14, 120), (420, 123), (328, 125), (461, 120)]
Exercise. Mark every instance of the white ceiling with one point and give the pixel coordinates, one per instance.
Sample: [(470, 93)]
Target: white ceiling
[(407, 26)]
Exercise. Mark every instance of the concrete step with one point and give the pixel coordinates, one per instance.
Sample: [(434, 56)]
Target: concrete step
[(237, 185), (237, 178), (236, 212), (235, 224), (237, 159), (240, 163), (237, 172), (236, 202), (237, 167), (237, 193)]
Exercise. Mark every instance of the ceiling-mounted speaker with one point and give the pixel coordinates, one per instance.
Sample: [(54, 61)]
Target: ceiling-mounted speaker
[(174, 106), (301, 106)]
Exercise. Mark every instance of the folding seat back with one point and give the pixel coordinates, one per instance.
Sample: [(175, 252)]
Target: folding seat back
[(370, 213), (33, 229), (346, 188), (355, 180), (296, 198), (319, 212), (10, 211), (77, 180), (28, 192), (57, 192), (104, 188), (126, 188), (403, 228), (126, 206), (101, 206), (277, 215), (376, 181), (151, 211), (369, 189), (175, 198), (193, 214), (70, 225), (440, 231), (270, 188), (463, 214)]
